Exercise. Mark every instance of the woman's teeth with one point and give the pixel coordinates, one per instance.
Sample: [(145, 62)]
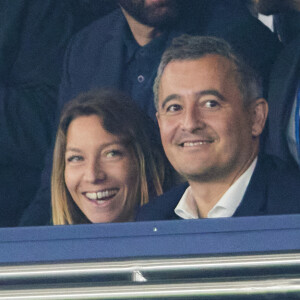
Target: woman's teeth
[(101, 195)]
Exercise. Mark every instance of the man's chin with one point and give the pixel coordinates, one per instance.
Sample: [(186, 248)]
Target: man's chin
[(199, 175), (157, 14), (162, 17)]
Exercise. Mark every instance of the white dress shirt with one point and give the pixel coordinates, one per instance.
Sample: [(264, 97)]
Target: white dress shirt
[(267, 20), (225, 207)]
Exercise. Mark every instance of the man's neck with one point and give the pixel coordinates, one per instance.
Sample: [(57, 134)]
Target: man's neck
[(143, 34), (208, 193)]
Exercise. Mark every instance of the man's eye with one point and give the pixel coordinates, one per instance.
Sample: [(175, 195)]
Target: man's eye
[(174, 108), (211, 104), (75, 158)]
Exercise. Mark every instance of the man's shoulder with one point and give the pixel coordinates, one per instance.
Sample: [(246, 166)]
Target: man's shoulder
[(275, 187), (283, 181), (101, 29), (276, 166), (162, 207)]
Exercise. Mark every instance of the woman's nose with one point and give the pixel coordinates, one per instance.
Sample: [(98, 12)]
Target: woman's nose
[(94, 172)]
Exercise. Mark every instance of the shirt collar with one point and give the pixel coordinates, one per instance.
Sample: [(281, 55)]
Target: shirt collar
[(154, 48), (130, 43), (225, 207)]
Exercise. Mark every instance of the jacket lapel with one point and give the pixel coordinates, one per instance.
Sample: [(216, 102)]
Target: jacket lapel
[(256, 194)]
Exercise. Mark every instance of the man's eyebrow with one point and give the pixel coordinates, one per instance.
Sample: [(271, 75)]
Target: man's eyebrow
[(169, 98), (198, 95), (211, 92)]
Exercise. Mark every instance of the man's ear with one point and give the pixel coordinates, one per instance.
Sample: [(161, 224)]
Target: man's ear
[(259, 113), (157, 118)]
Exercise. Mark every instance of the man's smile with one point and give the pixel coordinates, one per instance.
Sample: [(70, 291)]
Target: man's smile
[(196, 143)]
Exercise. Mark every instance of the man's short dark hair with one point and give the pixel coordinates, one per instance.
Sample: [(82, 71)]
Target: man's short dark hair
[(187, 47)]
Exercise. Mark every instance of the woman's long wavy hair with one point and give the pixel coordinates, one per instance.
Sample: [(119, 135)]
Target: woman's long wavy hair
[(120, 117)]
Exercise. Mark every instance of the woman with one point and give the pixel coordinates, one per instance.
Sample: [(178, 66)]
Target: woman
[(106, 163)]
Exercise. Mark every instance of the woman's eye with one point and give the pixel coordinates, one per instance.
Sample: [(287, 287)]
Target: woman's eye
[(174, 108), (113, 153), (75, 158)]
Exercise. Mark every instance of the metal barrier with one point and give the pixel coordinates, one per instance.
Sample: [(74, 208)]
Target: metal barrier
[(227, 258), (218, 277)]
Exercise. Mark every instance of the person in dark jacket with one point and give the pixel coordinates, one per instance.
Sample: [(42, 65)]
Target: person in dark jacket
[(33, 38), (211, 114)]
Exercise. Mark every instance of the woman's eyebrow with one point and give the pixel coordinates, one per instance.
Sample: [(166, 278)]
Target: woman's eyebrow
[(73, 149)]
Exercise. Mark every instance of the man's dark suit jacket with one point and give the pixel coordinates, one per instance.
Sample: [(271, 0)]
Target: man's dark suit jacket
[(273, 189), (95, 59), (284, 81)]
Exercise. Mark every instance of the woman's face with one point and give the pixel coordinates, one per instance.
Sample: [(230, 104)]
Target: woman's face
[(100, 171)]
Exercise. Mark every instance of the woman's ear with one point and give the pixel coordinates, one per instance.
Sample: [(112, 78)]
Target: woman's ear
[(259, 113)]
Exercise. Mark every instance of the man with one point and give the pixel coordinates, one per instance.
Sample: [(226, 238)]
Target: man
[(285, 15), (210, 114), (283, 135), (123, 50)]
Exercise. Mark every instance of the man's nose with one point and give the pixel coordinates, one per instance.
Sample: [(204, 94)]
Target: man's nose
[(94, 172), (192, 119)]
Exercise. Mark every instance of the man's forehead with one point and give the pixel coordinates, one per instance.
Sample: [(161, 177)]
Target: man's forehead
[(191, 69), (210, 58), (213, 62)]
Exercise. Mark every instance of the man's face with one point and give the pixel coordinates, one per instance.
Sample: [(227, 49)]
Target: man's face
[(206, 130), (154, 13)]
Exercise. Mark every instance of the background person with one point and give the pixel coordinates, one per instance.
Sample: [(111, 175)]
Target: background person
[(284, 16), (33, 37), (211, 114), (105, 161), (283, 134), (123, 49)]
